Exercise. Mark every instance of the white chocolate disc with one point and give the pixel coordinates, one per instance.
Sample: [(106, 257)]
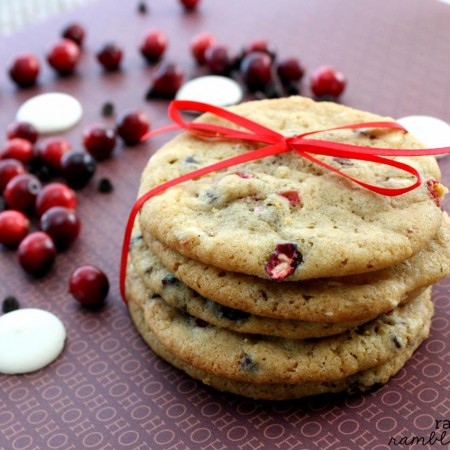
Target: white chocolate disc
[(52, 112), (30, 339), (213, 89), (433, 132)]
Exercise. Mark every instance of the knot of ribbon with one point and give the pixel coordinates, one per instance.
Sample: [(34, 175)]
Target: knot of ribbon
[(275, 143)]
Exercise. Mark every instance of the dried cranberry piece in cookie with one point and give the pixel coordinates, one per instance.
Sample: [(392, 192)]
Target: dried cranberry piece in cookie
[(283, 261), (243, 174), (293, 197), (437, 191)]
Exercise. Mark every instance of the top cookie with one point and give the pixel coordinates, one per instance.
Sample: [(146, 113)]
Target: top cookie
[(283, 217)]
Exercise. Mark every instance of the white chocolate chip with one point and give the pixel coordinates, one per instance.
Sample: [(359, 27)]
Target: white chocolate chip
[(30, 339)]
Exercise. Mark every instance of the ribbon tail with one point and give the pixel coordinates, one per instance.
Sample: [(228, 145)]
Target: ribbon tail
[(166, 129)]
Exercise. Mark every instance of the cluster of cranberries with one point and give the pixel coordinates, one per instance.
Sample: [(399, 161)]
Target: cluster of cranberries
[(63, 57), (26, 164), (256, 66), (31, 198)]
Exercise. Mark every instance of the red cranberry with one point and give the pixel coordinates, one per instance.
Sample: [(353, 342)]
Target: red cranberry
[(166, 80), (25, 70), (99, 141), (89, 285), (110, 57), (199, 44), (23, 130), (132, 126), (55, 194), (189, 5), (283, 261), (52, 150), (244, 175), (9, 168), (37, 253), (217, 59), (78, 167), (153, 46), (21, 192), (290, 70), (256, 70), (19, 149), (62, 225), (435, 191), (14, 226), (64, 57), (259, 45), (327, 81), (74, 32)]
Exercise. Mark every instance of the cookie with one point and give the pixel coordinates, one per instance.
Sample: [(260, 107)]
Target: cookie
[(283, 217), (163, 283), (258, 359), (351, 298), (359, 382)]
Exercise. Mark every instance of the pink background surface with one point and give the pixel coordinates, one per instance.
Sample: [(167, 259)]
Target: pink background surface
[(108, 390)]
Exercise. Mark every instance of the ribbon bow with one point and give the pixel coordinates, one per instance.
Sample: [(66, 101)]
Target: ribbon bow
[(276, 143)]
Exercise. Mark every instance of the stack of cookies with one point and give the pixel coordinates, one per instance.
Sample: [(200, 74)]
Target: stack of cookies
[(278, 278)]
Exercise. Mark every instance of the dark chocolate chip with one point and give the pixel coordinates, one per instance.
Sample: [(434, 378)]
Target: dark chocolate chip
[(190, 160), (142, 7), (211, 196), (10, 303), (246, 363), (263, 295), (201, 323), (107, 109), (105, 186), (169, 280), (224, 312), (397, 343), (133, 241)]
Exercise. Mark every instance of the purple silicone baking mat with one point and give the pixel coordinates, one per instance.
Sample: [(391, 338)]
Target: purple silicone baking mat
[(107, 390)]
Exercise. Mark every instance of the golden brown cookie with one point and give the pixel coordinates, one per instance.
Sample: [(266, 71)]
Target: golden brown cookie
[(283, 217), (351, 298), (260, 359), (359, 382)]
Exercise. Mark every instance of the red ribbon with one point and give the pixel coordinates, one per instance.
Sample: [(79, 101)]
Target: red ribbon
[(276, 143)]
